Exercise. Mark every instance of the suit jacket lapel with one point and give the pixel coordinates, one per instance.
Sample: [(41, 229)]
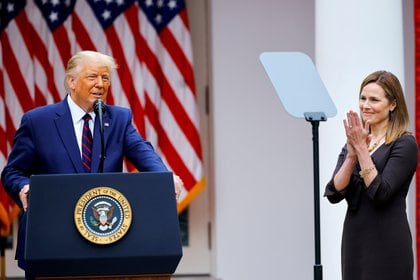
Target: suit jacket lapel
[(65, 129)]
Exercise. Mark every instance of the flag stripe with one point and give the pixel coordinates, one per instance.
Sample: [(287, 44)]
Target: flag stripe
[(82, 37), (178, 56), (63, 43), (158, 56), (172, 156), (37, 49), (126, 79), (184, 17), (11, 128), (18, 82), (169, 96)]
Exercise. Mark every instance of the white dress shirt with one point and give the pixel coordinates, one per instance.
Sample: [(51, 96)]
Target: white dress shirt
[(77, 114)]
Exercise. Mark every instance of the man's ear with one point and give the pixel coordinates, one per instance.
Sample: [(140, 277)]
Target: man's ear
[(71, 82)]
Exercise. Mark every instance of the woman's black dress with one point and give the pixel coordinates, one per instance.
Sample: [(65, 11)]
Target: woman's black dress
[(376, 242)]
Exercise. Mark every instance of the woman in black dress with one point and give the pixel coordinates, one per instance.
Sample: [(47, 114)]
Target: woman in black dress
[(373, 175)]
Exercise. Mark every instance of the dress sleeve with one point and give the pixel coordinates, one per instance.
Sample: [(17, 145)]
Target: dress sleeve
[(330, 191), (352, 191), (395, 171)]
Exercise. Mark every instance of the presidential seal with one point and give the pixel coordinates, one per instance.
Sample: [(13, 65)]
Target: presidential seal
[(102, 215)]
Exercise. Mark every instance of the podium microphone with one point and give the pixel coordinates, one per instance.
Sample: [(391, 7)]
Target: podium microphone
[(99, 109)]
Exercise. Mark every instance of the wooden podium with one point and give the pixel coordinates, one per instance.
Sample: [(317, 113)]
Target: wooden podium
[(103, 226)]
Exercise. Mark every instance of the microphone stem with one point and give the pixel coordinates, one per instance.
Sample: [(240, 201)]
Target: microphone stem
[(101, 130), (98, 107)]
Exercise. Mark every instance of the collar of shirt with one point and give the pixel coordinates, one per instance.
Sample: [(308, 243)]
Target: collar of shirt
[(77, 113)]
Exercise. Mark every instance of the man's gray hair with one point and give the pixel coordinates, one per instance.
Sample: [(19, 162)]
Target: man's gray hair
[(75, 64)]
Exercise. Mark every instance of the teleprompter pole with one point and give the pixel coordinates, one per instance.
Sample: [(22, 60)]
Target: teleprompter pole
[(314, 118)]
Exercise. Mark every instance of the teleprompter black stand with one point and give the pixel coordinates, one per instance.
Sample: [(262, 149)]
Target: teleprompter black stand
[(303, 95)]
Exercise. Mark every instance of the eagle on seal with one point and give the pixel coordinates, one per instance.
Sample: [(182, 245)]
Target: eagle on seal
[(102, 212)]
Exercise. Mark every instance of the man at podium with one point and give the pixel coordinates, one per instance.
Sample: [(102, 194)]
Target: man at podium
[(66, 137)]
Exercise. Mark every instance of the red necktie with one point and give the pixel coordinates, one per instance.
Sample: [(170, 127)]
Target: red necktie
[(86, 144)]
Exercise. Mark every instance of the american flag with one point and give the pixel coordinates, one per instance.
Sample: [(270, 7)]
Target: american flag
[(151, 43)]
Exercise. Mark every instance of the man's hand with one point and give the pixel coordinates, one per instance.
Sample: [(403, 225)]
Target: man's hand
[(23, 195), (179, 185)]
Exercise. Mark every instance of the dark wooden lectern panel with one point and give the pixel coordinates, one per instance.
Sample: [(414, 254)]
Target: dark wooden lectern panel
[(151, 248)]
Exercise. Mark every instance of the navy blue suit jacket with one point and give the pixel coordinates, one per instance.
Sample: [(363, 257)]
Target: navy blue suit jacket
[(45, 143)]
